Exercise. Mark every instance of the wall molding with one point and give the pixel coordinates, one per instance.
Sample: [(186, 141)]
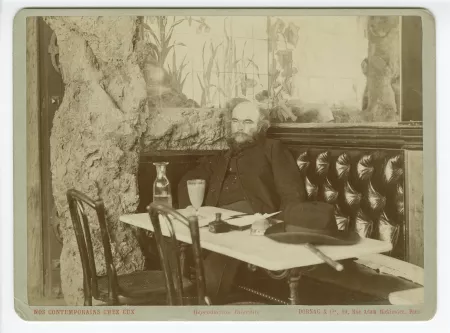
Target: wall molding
[(407, 136)]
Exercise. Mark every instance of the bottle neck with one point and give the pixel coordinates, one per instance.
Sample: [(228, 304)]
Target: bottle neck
[(160, 171)]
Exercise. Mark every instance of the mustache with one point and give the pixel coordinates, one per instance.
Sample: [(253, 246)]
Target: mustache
[(246, 137), (248, 140), (241, 133)]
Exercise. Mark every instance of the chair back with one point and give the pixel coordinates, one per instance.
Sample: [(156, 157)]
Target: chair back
[(169, 252), (77, 206)]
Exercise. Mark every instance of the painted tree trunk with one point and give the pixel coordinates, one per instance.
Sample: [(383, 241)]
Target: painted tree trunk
[(383, 69), (95, 139)]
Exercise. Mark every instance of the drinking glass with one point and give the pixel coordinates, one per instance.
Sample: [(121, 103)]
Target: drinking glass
[(196, 190)]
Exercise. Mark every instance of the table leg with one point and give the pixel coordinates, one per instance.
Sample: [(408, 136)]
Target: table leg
[(293, 280)]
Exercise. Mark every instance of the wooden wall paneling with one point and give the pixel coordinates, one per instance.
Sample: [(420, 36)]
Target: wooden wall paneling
[(411, 77), (51, 94), (414, 206), (35, 273)]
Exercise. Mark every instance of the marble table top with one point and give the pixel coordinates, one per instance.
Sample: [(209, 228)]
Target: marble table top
[(260, 251)]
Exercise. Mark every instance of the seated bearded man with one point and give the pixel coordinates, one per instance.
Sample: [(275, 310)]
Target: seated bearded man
[(255, 175)]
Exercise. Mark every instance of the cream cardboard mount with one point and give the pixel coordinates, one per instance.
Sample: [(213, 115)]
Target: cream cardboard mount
[(113, 110)]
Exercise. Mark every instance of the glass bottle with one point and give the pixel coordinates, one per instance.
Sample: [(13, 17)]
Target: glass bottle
[(161, 185)]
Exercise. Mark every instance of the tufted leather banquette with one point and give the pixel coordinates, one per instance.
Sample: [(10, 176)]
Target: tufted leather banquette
[(365, 187)]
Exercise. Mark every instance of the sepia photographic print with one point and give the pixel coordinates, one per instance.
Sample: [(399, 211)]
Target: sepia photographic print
[(224, 164)]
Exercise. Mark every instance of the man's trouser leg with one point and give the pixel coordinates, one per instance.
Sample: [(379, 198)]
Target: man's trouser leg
[(220, 272)]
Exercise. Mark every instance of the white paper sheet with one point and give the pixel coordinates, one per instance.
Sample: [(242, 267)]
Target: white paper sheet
[(207, 214), (249, 219)]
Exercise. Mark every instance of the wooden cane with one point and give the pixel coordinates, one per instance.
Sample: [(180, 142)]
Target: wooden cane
[(337, 266)]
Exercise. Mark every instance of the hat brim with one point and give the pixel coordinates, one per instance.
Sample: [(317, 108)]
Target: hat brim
[(312, 236)]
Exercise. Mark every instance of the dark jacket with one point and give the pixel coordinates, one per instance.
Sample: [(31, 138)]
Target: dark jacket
[(267, 172)]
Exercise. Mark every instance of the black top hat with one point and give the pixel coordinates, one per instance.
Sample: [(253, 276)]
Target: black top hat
[(310, 222)]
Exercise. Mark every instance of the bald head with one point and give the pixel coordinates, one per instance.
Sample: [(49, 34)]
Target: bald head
[(246, 111)]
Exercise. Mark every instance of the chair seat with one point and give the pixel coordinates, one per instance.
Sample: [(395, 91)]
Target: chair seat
[(141, 287)]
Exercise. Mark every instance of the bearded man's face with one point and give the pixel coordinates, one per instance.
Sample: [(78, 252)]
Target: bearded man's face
[(245, 119)]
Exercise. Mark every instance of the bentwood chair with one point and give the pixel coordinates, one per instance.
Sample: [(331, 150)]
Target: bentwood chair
[(169, 253), (137, 288)]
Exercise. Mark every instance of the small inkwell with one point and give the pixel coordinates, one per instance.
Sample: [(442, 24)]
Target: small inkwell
[(218, 225)]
